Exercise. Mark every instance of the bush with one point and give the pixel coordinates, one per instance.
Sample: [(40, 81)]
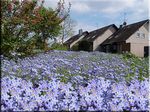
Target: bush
[(137, 65), (84, 46), (57, 46), (75, 47), (129, 55)]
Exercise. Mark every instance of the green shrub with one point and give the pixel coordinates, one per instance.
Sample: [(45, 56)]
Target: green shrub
[(85, 46), (57, 46), (75, 47), (136, 64), (129, 55)]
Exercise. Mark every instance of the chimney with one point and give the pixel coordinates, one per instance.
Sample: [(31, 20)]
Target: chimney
[(80, 32), (120, 26), (124, 23)]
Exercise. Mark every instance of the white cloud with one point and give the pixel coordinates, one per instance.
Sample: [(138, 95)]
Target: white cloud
[(77, 6), (50, 3), (103, 6), (111, 10), (80, 7), (139, 12), (85, 27)]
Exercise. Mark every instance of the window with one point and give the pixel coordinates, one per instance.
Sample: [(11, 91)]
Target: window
[(110, 37), (138, 35), (114, 47), (94, 36), (116, 36), (143, 35)]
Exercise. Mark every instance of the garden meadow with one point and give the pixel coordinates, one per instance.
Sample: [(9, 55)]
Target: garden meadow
[(36, 77), (68, 80)]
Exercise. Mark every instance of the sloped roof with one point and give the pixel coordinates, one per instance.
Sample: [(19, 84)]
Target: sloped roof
[(74, 38), (90, 36), (96, 33), (124, 33)]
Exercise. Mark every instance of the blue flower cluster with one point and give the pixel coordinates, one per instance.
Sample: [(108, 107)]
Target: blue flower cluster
[(61, 80)]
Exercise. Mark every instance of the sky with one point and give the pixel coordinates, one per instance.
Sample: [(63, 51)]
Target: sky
[(93, 14)]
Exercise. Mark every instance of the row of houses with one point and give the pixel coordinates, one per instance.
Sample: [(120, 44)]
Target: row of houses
[(132, 38)]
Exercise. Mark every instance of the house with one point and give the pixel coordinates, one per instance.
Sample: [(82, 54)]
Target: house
[(132, 38), (90, 41), (75, 39), (98, 36)]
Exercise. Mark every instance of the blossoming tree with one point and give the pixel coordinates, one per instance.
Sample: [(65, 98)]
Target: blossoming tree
[(27, 24)]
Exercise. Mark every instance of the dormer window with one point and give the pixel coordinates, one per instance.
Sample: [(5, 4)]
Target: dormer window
[(138, 35), (94, 36), (142, 35)]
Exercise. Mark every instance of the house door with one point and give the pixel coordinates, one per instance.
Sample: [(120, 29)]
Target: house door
[(146, 51), (107, 48)]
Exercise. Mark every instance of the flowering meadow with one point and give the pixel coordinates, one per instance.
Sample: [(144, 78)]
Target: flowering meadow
[(67, 80)]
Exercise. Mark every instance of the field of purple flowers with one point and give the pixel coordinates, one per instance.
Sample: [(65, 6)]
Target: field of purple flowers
[(66, 80)]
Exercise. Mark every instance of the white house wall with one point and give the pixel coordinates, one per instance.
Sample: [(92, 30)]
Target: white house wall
[(137, 44), (103, 37)]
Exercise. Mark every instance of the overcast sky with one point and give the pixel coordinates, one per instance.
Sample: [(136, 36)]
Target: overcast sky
[(93, 14)]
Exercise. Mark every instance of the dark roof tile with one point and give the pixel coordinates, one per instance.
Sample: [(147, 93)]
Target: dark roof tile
[(96, 33), (74, 38), (124, 33)]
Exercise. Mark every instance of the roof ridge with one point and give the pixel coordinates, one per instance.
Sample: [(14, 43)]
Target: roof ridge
[(143, 21), (102, 27), (125, 32), (95, 33)]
